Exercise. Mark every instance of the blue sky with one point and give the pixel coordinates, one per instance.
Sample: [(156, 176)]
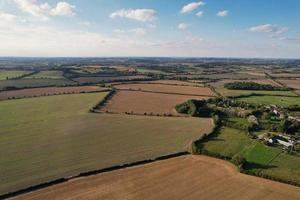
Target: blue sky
[(211, 28)]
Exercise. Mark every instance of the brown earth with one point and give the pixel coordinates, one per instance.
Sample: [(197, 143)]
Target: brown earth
[(48, 91), (189, 90), (292, 83), (186, 177), (145, 102)]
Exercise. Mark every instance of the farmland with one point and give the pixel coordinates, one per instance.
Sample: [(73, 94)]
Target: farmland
[(283, 101), (31, 83), (47, 91), (47, 75), (175, 89), (291, 83), (10, 74), (57, 137), (100, 79), (137, 102), (186, 177)]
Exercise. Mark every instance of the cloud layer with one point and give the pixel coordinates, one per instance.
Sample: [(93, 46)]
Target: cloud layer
[(144, 15)]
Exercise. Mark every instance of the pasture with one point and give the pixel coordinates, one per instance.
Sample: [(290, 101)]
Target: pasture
[(48, 91), (227, 142), (175, 89), (137, 102), (10, 74), (56, 136), (282, 101), (47, 75), (186, 177)]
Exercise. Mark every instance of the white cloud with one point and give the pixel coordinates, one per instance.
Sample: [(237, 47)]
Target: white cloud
[(63, 9), (268, 28), (182, 26), (135, 31), (144, 15), (7, 17), (200, 13), (42, 11), (191, 7), (31, 7), (223, 13)]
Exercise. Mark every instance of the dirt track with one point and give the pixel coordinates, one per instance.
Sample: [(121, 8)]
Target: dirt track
[(187, 177)]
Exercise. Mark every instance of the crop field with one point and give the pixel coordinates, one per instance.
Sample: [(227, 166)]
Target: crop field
[(186, 177), (100, 79), (136, 102), (175, 89), (53, 137), (9, 74), (47, 91), (47, 75), (291, 83), (29, 83), (282, 101), (173, 82)]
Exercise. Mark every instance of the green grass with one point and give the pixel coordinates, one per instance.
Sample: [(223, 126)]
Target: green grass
[(30, 83), (228, 142), (285, 167), (52, 137), (260, 154), (271, 100), (151, 71), (9, 74), (47, 75), (226, 92)]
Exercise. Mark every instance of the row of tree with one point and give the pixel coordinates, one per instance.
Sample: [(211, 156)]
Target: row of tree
[(252, 86)]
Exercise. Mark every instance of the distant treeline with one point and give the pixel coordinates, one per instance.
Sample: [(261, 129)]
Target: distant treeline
[(252, 86)]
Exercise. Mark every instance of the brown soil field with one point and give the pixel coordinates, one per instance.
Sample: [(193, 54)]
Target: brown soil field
[(285, 75), (100, 79), (145, 102), (173, 82), (292, 83), (176, 89), (186, 177), (48, 91)]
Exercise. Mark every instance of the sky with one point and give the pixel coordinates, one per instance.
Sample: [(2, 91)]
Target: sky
[(146, 28)]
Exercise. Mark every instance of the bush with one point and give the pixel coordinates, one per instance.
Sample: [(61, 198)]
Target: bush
[(238, 160)]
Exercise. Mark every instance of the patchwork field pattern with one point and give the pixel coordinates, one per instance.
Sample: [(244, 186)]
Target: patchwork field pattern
[(186, 177), (57, 137)]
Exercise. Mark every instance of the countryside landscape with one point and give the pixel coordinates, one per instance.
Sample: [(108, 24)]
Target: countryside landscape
[(149, 100)]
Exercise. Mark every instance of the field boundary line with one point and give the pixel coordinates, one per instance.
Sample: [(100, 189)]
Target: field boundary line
[(91, 173)]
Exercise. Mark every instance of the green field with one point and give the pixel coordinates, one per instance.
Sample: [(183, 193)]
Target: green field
[(47, 138), (227, 92), (151, 71), (261, 159), (228, 142), (9, 74), (47, 75), (271, 100), (30, 83)]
